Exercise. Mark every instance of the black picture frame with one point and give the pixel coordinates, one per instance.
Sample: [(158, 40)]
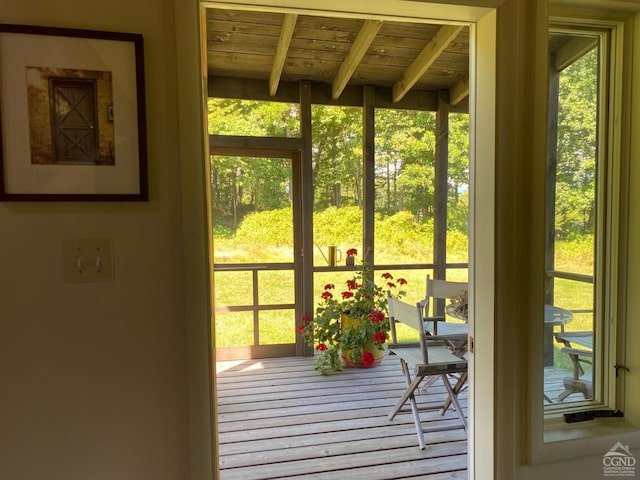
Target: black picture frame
[(72, 115)]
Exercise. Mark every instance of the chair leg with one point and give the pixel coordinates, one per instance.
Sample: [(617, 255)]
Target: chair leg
[(409, 395), (564, 394), (430, 381), (454, 399), (572, 385), (460, 383), (417, 422)]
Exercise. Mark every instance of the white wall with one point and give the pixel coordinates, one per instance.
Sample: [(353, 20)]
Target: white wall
[(93, 376)]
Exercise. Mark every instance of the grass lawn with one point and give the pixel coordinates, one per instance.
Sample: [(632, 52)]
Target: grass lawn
[(277, 287)]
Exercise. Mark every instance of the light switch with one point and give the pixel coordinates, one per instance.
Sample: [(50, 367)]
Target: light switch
[(88, 260)]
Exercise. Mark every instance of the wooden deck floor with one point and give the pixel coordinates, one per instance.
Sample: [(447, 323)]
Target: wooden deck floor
[(278, 418)]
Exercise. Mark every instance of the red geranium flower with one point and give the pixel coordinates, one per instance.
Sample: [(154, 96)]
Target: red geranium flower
[(347, 294), (352, 251), (367, 359), (402, 281), (305, 319), (327, 295), (352, 284), (300, 328), (387, 276), (380, 337), (329, 286), (376, 316), (321, 347), (391, 285)]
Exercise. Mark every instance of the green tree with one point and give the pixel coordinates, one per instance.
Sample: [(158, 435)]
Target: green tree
[(243, 185), (405, 149), (253, 118), (337, 156), (404, 170), (458, 173), (577, 147)]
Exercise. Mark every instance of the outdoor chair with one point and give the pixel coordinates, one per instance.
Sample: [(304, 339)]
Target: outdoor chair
[(443, 290), (581, 380), (426, 360)]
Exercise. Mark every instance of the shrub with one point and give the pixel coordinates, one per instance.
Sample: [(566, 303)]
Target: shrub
[(457, 246), (271, 227), (402, 235), (338, 226), (399, 237)]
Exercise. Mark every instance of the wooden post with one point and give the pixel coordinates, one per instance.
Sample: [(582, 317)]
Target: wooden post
[(369, 194), (550, 207), (308, 305), (440, 193)]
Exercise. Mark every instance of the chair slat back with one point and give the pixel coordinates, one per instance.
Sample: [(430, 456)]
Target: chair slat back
[(444, 288), (411, 316), (441, 289)]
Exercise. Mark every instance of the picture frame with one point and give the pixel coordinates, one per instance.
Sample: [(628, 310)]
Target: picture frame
[(72, 115)]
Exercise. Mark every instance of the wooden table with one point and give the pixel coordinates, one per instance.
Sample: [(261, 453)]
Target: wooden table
[(584, 339), (553, 317), (459, 330), (456, 334)]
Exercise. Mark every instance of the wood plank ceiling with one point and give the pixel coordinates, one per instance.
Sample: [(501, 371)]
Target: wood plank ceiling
[(270, 49)]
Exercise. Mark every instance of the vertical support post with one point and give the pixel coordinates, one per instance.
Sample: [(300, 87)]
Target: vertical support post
[(307, 214), (256, 309), (550, 205), (368, 135), (441, 193)]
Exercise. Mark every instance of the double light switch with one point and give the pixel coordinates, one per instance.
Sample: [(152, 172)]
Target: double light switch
[(88, 260)]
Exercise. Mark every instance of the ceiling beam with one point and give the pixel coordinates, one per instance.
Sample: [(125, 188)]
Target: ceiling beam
[(286, 33), (289, 92), (360, 46), (572, 51), (459, 91), (421, 64)]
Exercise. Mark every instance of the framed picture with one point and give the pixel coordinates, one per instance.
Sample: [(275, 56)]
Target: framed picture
[(72, 115)]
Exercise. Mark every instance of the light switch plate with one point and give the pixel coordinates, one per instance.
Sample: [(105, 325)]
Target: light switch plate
[(88, 260)]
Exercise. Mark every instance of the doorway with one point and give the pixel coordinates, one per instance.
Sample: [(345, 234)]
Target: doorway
[(482, 189), (257, 295)]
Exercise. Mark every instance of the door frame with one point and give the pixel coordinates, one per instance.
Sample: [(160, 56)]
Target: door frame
[(270, 147), (194, 144)]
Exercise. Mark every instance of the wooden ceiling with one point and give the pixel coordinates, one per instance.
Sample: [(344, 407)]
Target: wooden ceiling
[(270, 49)]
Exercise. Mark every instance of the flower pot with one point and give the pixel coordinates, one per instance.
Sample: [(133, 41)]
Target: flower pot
[(360, 364), (370, 347)]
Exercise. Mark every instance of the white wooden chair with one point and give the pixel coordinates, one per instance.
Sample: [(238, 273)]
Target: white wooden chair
[(429, 358), (582, 360), (442, 290)]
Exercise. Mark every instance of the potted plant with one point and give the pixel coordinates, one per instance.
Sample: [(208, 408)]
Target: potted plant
[(351, 325)]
